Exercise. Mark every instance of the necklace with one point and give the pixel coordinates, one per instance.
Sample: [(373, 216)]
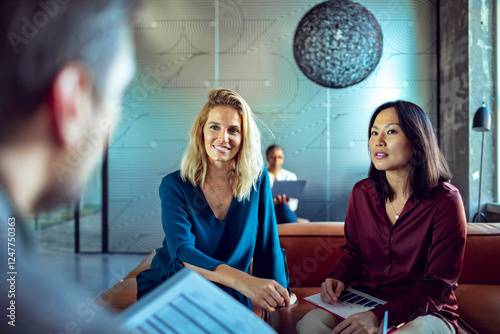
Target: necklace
[(221, 200), (397, 213)]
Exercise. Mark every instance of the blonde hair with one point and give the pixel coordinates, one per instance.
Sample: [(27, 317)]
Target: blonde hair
[(248, 163)]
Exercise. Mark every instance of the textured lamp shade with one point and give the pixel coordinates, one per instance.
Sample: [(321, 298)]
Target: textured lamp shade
[(338, 43), (482, 120)]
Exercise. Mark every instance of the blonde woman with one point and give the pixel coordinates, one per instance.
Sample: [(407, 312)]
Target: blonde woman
[(217, 210)]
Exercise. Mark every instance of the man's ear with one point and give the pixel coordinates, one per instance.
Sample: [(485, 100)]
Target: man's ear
[(69, 100)]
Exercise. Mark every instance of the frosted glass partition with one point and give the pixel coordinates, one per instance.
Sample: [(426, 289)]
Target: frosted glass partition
[(324, 131)]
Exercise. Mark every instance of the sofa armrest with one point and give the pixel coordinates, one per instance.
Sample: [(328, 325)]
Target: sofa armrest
[(145, 264), (482, 254), (124, 293)]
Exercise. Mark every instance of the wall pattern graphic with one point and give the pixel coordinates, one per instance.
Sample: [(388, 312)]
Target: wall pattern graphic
[(323, 131)]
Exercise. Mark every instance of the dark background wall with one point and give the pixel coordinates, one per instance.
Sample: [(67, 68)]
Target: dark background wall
[(467, 78)]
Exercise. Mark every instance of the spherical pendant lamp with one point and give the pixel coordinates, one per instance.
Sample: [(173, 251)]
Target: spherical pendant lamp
[(338, 43)]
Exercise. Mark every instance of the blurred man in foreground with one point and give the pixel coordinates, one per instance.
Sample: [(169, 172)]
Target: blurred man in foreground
[(64, 67)]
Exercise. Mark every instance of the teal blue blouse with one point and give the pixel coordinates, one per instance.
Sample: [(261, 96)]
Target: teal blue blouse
[(194, 235)]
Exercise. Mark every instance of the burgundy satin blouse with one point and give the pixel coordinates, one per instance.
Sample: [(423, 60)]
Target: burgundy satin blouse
[(415, 264)]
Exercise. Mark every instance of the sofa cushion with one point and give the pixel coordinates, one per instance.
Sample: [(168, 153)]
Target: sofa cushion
[(311, 250), (307, 245), (479, 306), (283, 320)]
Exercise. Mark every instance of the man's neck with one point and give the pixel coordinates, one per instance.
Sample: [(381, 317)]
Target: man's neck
[(22, 176), (274, 171)]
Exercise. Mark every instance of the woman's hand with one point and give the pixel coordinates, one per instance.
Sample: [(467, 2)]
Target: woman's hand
[(362, 323), (282, 199), (266, 293), (331, 290)]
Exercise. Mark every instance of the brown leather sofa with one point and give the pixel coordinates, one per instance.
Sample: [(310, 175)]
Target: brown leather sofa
[(312, 249)]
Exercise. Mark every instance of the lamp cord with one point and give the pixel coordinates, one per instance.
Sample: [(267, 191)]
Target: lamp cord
[(480, 182)]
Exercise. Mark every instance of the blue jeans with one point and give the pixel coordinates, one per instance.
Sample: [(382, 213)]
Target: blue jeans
[(284, 214)]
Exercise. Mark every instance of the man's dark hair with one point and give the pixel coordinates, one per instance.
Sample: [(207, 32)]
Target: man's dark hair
[(40, 36), (427, 166), (272, 147)]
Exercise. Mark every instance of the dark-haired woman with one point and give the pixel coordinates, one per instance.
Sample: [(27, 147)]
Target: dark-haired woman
[(405, 233)]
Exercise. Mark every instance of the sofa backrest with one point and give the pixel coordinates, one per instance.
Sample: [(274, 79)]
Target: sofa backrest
[(482, 254), (313, 248)]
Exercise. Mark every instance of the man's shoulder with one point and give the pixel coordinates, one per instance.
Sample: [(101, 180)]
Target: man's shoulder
[(52, 301)]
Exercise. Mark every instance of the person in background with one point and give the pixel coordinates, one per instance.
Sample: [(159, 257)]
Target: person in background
[(405, 233), (65, 65), (285, 207), (217, 210)]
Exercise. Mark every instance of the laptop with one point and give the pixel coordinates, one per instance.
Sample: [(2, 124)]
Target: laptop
[(188, 303), (292, 189)]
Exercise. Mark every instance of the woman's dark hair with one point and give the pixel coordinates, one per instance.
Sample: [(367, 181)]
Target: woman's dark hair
[(272, 147), (427, 166)]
